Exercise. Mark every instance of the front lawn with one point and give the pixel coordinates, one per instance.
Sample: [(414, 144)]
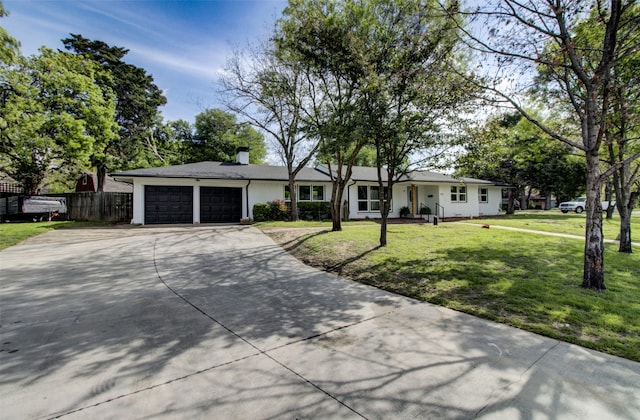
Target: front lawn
[(522, 279)]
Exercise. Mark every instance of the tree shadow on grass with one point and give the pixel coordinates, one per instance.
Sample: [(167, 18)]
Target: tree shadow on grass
[(292, 244)]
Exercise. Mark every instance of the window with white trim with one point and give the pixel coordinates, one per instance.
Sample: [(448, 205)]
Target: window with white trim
[(317, 193), (483, 195), (306, 193), (369, 198), (458, 194)]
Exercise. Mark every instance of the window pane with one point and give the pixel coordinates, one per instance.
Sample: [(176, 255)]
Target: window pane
[(375, 205), (318, 193), (462, 197), (463, 190), (362, 193), (454, 190), (287, 193), (304, 192), (362, 206), (375, 193), (454, 197), (483, 195)]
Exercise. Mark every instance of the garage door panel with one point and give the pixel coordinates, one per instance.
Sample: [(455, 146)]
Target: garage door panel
[(220, 204), (168, 204)]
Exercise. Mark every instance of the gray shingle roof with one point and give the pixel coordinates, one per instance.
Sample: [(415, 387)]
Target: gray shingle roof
[(219, 170), (363, 173)]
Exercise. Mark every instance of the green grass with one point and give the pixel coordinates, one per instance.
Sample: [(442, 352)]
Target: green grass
[(557, 222), (13, 233), (522, 279)]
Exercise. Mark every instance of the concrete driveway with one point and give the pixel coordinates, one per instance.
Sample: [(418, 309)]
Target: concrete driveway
[(219, 322)]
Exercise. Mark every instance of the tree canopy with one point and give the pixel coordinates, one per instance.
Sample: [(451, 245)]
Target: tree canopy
[(137, 104), (54, 116), (380, 75), (511, 150)]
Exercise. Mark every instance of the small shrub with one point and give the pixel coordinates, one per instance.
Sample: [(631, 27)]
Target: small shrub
[(261, 212), (404, 211), (425, 210), (278, 210)]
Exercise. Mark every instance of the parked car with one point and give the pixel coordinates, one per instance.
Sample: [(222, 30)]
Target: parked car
[(578, 205)]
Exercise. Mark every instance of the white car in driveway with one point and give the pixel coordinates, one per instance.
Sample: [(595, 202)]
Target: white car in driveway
[(578, 205)]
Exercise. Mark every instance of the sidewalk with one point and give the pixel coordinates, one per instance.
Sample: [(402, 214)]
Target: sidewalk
[(540, 232)]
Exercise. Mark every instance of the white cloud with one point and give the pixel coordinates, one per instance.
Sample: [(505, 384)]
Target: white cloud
[(202, 65)]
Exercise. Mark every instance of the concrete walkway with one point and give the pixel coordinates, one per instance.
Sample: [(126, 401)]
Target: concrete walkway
[(219, 322), (541, 232)]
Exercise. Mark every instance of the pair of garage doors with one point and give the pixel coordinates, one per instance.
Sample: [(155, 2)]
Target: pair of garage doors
[(174, 204)]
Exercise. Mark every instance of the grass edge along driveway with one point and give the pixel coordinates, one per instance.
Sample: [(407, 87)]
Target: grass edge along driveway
[(521, 279)]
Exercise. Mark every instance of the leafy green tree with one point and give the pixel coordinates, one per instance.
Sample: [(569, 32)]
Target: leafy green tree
[(511, 150), (9, 46), (138, 100), (327, 38), (54, 116), (171, 143), (541, 35), (217, 135), (489, 154), (410, 45)]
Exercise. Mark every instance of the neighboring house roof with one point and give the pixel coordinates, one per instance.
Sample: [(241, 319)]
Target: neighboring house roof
[(110, 184), (219, 170)]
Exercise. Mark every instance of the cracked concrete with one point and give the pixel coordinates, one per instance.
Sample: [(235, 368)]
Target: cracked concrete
[(219, 322)]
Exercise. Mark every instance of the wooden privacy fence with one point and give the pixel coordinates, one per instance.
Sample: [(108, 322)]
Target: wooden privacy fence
[(99, 206)]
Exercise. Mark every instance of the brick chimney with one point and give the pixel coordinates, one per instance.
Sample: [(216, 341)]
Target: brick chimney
[(242, 155)]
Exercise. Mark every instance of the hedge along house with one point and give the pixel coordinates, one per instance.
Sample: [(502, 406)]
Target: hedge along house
[(215, 192)]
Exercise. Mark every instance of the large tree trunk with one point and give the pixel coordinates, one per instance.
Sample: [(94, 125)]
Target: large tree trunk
[(593, 277), (101, 174), (294, 199), (336, 205), (624, 204), (625, 230), (385, 207), (608, 197), (524, 203), (510, 198)]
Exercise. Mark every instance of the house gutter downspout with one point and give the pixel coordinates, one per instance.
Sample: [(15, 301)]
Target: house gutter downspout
[(246, 190)]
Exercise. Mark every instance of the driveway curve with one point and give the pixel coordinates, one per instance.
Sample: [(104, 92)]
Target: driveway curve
[(219, 322)]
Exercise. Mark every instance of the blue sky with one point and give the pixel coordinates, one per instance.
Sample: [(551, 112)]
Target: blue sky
[(183, 44)]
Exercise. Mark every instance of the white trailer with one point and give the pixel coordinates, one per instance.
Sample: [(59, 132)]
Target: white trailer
[(36, 208)]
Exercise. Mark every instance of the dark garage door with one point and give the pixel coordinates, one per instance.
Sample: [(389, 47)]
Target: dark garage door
[(164, 204), (220, 204)]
